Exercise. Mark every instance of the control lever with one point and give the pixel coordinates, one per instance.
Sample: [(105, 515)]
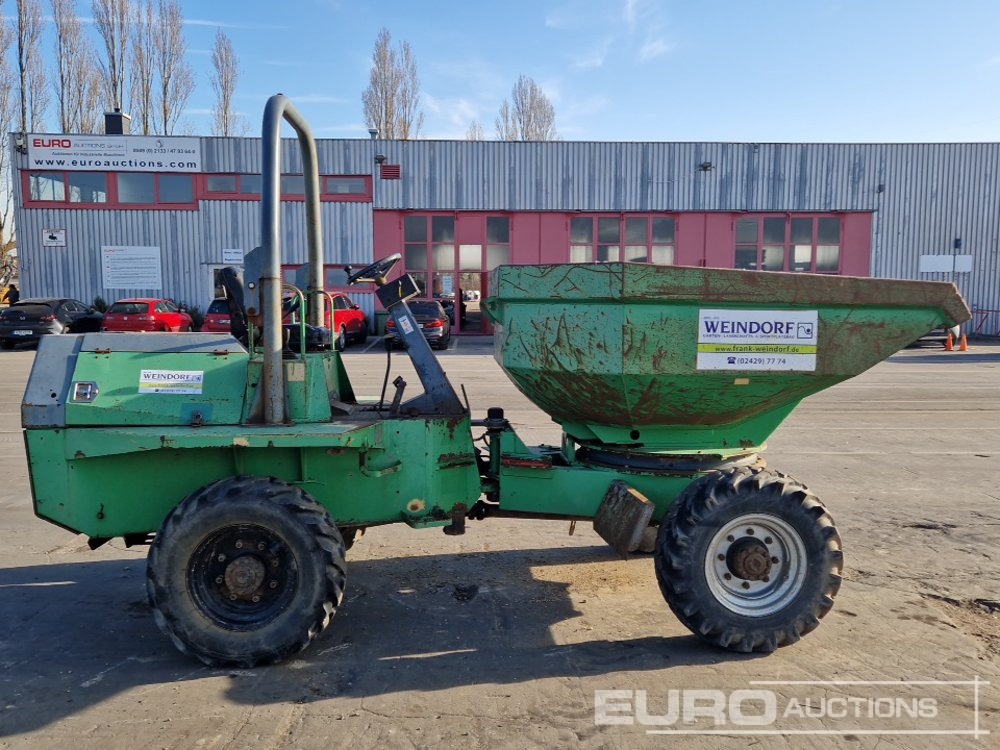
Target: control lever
[(400, 385)]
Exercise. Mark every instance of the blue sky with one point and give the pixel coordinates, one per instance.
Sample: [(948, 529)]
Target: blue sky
[(734, 70)]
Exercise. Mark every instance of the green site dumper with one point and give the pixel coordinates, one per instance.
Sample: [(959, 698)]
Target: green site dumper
[(250, 467)]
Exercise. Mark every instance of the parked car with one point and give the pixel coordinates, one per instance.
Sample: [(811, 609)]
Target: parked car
[(217, 317), (349, 324), (30, 319), (433, 320), (146, 315)]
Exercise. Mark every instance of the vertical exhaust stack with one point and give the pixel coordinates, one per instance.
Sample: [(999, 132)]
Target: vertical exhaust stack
[(280, 108)]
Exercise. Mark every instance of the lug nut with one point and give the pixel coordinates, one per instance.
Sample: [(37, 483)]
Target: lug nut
[(775, 560), (232, 597), (730, 538), (765, 579), (256, 599), (746, 584), (768, 540), (260, 546), (749, 532), (273, 584), (274, 563), (728, 576), (221, 558), (239, 544), (721, 556), (218, 579)]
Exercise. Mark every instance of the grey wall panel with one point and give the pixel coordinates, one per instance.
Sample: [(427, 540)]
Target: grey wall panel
[(191, 245)]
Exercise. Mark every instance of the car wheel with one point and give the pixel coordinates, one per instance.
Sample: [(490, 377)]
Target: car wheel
[(362, 336), (341, 341)]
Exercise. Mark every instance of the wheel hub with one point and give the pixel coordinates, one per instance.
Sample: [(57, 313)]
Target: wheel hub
[(755, 564), (244, 576), (749, 559)]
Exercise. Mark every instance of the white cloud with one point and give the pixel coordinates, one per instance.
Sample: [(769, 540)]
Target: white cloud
[(654, 48), (595, 59), (228, 24)]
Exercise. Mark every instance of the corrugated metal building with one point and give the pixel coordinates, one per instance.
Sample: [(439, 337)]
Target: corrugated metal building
[(458, 208)]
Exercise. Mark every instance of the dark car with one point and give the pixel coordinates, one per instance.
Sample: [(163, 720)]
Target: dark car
[(30, 319), (433, 322)]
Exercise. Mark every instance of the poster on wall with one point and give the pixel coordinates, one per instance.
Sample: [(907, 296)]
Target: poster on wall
[(119, 153), (131, 267)]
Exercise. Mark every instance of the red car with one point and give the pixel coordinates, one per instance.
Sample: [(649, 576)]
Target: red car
[(349, 321), (146, 315), (217, 317)]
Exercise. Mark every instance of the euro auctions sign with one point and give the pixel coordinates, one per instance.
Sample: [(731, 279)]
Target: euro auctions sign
[(113, 153)]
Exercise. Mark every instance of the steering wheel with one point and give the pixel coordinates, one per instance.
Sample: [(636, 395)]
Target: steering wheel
[(376, 270)]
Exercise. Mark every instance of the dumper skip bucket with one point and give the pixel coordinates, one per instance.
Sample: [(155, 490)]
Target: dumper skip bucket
[(695, 360)]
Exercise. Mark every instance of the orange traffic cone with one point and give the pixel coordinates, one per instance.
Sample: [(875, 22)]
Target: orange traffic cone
[(949, 345), (964, 346)]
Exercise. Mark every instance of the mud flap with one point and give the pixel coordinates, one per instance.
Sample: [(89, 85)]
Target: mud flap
[(623, 516)]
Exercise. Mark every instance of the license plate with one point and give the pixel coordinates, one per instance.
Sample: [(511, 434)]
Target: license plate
[(22, 332)]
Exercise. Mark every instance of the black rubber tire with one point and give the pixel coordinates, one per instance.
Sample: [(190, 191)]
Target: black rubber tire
[(362, 338), (340, 343), (312, 572), (705, 508)]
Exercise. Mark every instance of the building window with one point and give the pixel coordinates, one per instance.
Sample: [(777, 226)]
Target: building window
[(809, 244), (629, 237), (147, 188), (88, 187), (293, 187), (497, 241)]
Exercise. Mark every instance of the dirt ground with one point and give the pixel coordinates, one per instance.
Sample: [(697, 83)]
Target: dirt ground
[(501, 637)]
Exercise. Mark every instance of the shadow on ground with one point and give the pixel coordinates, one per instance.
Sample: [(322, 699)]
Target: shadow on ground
[(73, 635)]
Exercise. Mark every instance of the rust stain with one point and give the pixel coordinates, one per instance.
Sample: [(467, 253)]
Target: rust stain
[(454, 460)]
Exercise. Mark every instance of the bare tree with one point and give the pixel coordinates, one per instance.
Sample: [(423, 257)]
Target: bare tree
[(528, 115), (224, 79), (8, 82), (475, 132), (142, 44), (89, 117), (391, 103), (31, 70), (176, 82), (78, 80), (112, 18)]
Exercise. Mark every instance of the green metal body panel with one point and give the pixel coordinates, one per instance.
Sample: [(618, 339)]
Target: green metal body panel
[(107, 482), (612, 351), (118, 375)]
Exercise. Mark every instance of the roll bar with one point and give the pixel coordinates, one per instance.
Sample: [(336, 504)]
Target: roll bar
[(279, 108)]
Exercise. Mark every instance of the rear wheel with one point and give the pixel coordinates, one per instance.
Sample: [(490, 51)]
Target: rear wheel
[(246, 571), (341, 342), (749, 559)]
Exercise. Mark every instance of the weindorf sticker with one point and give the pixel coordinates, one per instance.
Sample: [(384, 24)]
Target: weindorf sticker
[(757, 340), (171, 381)]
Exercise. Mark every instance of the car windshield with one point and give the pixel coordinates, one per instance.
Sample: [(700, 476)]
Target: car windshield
[(425, 308), (128, 308), (218, 306)]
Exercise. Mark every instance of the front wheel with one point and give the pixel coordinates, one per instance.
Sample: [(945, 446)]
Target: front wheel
[(749, 559), (246, 571)]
